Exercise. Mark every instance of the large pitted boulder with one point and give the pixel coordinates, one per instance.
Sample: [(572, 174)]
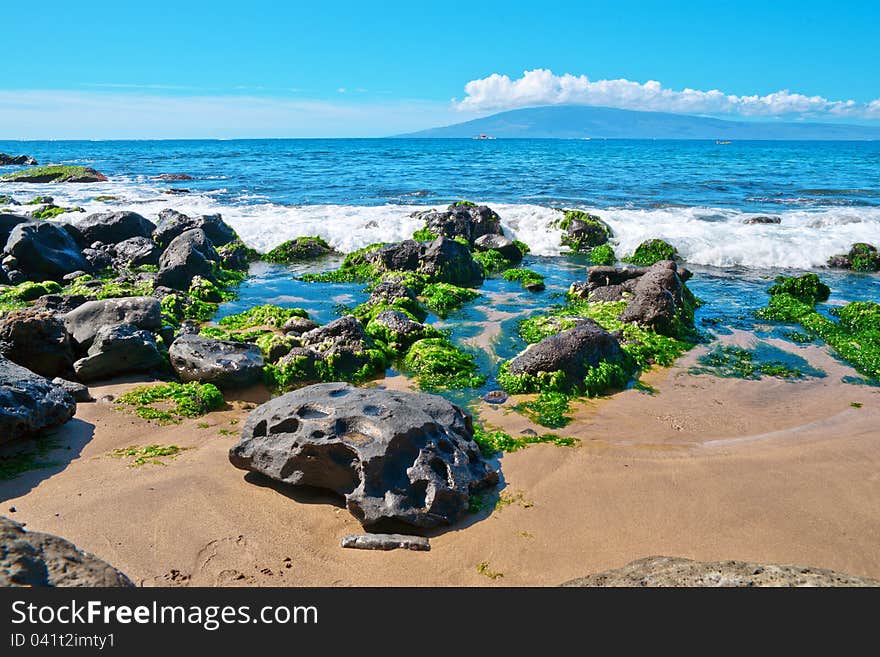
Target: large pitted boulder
[(679, 572), (60, 304), (504, 245), (343, 342), (135, 252), (573, 352), (84, 321), (36, 339), (399, 459), (29, 403), (188, 255), (659, 299), (464, 220), (112, 227), (225, 363), (448, 261), (44, 250), (119, 349), (35, 559), (172, 224)]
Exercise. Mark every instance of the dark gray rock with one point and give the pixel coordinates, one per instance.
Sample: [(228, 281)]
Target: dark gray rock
[(19, 160), (448, 261), (172, 224), (188, 255), (400, 329), (224, 363), (390, 291), (601, 276), (399, 459), (119, 349), (762, 220), (136, 251), (574, 352), (36, 339), (98, 259), (403, 256), (584, 231), (44, 250), (679, 572), (112, 227), (84, 321), (78, 391), (7, 223), (299, 325), (35, 559), (658, 299), (386, 542), (29, 403), (467, 221), (60, 304), (344, 341), (503, 245)]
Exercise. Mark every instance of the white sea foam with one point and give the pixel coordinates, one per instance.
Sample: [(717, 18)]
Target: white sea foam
[(703, 235)]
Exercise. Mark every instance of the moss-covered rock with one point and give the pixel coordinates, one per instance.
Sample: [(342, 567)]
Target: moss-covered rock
[(55, 173), (296, 250), (583, 231), (807, 288), (444, 298), (437, 363), (652, 251), (861, 257)]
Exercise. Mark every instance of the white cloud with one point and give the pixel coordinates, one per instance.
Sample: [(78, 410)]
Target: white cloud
[(543, 87)]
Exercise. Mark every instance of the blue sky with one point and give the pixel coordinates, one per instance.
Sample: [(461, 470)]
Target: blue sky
[(225, 69)]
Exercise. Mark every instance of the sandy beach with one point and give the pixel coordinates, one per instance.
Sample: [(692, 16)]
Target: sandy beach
[(704, 467)]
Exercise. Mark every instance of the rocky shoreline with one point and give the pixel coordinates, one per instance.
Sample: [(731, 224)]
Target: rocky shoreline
[(116, 294)]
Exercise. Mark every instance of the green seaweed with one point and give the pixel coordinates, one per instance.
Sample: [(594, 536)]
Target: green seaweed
[(652, 251), (495, 442), (424, 235), (31, 457), (603, 255), (186, 400), (301, 248), (597, 232), (736, 362), (53, 173), (28, 291), (444, 298), (549, 409), (150, 454), (437, 363), (355, 268), (526, 277), (807, 288), (492, 261), (265, 315)]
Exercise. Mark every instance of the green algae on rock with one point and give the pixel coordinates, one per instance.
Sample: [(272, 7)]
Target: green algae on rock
[(651, 252), (55, 173), (296, 250), (436, 363)]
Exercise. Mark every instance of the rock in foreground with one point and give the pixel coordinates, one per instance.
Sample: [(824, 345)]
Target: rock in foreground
[(399, 459), (679, 572), (37, 559)]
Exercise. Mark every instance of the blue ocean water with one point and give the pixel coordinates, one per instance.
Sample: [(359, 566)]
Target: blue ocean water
[(354, 192)]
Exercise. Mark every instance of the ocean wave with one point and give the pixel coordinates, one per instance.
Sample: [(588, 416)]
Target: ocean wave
[(804, 238)]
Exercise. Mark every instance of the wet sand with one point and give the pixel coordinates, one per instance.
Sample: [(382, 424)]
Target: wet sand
[(705, 468)]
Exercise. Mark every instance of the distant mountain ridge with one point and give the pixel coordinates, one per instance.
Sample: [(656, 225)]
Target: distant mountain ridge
[(579, 122)]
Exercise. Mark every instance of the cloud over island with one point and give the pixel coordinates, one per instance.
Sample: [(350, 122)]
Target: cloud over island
[(543, 87)]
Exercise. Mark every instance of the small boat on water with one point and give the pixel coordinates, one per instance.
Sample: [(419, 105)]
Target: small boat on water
[(718, 142), (482, 136)]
